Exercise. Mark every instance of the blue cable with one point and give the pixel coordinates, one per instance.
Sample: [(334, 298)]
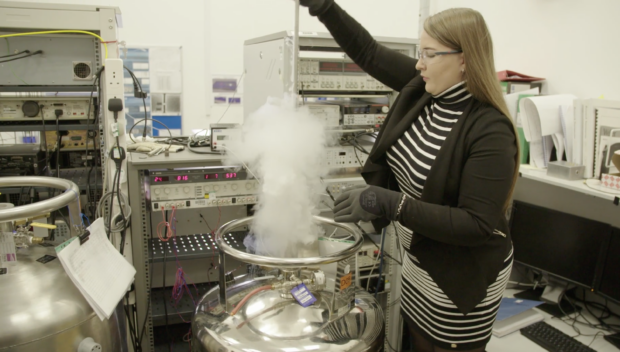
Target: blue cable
[(83, 216), (380, 263)]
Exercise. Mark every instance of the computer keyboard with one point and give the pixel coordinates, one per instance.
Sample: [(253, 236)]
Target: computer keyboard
[(552, 339)]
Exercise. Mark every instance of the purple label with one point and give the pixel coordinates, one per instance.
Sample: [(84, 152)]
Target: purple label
[(303, 295)]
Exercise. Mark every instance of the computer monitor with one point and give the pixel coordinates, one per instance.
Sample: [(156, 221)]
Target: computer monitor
[(562, 245), (609, 283)]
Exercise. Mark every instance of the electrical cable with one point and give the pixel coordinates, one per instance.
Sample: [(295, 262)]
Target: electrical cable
[(117, 226), (19, 53), (58, 112), (165, 226), (189, 147), (139, 93), (92, 136), (23, 57), (152, 120), (380, 263), (61, 31), (370, 274), (233, 96)]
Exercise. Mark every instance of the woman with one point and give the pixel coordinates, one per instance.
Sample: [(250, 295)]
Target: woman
[(443, 169)]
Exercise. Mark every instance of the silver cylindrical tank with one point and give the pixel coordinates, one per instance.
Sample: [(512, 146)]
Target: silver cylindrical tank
[(255, 313), (41, 309)]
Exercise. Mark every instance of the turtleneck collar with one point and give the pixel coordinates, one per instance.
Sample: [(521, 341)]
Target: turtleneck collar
[(455, 94)]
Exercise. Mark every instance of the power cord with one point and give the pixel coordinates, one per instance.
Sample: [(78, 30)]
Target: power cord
[(19, 53), (23, 57), (139, 93), (58, 113), (92, 136)]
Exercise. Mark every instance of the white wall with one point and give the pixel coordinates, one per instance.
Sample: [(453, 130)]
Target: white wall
[(165, 23), (232, 22), (574, 44)]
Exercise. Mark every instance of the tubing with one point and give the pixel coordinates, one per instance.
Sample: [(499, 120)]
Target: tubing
[(249, 295)]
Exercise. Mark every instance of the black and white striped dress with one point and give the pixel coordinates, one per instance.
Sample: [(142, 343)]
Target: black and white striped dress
[(424, 305)]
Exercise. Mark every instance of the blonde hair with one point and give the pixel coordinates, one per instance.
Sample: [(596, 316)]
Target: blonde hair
[(465, 29)]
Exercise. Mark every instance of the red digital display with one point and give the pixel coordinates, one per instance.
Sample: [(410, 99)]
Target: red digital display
[(231, 175), (351, 67), (325, 66), (211, 176), (183, 178), (160, 179)]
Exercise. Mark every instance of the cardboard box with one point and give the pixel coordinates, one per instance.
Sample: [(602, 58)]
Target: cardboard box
[(612, 180)]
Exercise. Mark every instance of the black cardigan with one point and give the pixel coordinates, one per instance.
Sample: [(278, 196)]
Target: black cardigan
[(461, 206)]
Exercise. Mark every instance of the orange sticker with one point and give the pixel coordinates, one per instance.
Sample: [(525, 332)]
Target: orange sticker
[(345, 281)]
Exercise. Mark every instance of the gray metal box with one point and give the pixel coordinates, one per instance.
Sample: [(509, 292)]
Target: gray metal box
[(566, 170), (67, 60)]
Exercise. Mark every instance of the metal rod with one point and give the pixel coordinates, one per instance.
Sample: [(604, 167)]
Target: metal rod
[(222, 270), (70, 198), (295, 89)]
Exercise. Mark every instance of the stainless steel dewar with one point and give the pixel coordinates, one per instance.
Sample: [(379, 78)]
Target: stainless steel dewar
[(41, 309), (258, 313)]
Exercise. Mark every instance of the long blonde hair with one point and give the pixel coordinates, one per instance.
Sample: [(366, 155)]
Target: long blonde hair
[(465, 29)]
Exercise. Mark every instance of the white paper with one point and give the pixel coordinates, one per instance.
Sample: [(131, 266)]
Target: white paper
[(558, 142), (537, 157), (525, 122), (568, 130), (547, 145), (99, 271), (589, 114), (607, 125), (578, 132), (543, 113), (513, 99)]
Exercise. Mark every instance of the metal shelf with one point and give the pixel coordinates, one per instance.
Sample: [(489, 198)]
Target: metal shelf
[(183, 311), (192, 246)]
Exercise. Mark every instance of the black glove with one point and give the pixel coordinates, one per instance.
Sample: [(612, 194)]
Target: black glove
[(316, 7), (365, 203)]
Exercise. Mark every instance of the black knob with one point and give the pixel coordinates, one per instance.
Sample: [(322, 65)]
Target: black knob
[(30, 108)]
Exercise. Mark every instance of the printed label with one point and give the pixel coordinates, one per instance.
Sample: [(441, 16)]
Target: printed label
[(345, 281), (7, 250), (303, 295)]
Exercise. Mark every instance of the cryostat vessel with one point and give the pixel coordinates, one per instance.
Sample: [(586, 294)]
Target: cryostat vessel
[(290, 304)]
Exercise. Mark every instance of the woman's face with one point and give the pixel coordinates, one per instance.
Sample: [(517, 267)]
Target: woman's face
[(440, 72)]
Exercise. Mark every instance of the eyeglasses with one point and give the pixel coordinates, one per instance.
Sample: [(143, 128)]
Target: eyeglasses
[(427, 55)]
